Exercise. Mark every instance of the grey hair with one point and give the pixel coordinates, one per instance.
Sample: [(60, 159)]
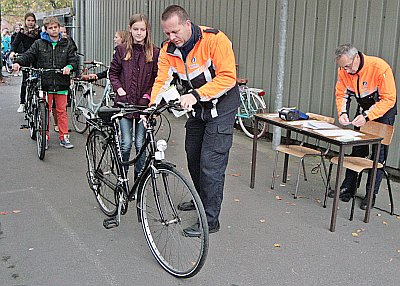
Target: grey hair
[(345, 49)]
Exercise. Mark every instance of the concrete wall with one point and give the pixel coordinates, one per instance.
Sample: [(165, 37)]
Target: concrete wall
[(315, 28)]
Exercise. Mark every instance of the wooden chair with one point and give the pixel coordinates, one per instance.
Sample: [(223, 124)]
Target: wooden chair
[(301, 151), (360, 164)]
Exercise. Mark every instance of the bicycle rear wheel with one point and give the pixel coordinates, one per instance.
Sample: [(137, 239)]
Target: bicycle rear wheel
[(78, 101), (251, 104), (41, 127), (178, 254), (103, 171)]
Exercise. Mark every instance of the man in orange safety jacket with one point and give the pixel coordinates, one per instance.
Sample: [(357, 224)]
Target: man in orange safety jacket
[(369, 80), (201, 62)]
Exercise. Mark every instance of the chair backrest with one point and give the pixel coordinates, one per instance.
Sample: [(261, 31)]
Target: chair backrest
[(379, 129), (315, 116)]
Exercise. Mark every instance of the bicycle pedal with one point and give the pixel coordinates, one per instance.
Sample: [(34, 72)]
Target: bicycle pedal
[(110, 222), (24, 126)]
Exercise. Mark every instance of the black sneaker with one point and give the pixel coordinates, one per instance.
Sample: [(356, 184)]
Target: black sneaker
[(193, 231), (364, 202), (186, 206), (345, 194)]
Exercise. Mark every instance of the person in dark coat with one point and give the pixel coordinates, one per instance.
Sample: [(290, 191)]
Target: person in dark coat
[(21, 43), (132, 73)]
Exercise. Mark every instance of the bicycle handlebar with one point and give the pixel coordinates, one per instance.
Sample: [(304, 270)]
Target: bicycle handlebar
[(41, 70), (110, 113), (96, 63)]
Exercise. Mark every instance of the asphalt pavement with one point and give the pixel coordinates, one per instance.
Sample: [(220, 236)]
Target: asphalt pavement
[(51, 229)]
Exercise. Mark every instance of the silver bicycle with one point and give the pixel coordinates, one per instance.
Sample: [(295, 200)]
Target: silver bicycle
[(83, 104)]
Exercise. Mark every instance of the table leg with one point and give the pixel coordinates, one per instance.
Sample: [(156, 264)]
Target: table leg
[(254, 155), (337, 189), (372, 187)]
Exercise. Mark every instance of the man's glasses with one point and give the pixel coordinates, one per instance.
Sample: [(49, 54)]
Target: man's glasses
[(350, 65)]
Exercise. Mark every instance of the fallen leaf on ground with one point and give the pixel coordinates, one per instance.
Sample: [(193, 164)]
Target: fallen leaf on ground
[(378, 214), (17, 211), (262, 220), (318, 201), (290, 204), (385, 223), (235, 175), (277, 245), (354, 234), (278, 198), (282, 185), (236, 200)]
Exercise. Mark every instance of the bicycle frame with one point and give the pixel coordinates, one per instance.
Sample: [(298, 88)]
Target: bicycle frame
[(113, 139), (245, 101)]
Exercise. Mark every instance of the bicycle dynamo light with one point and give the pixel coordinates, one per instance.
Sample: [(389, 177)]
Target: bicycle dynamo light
[(161, 147)]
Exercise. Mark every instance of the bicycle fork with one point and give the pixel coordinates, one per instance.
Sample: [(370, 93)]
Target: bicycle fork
[(156, 192)]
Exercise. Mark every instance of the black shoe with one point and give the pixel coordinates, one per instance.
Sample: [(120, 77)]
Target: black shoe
[(364, 202), (345, 194), (193, 231), (186, 206)]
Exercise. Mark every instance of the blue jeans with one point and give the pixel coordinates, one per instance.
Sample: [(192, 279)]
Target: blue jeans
[(126, 126)]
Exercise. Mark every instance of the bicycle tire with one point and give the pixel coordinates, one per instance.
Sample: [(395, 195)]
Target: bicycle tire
[(103, 172), (30, 115), (79, 100), (41, 127), (178, 254), (246, 115)]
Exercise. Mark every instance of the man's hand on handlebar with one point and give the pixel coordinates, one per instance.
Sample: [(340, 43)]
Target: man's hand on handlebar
[(187, 101)]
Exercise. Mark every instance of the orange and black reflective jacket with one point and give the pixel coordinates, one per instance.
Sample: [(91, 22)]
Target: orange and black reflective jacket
[(209, 71), (372, 86)]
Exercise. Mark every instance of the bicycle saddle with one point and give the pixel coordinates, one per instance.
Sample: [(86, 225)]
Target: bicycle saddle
[(106, 112)]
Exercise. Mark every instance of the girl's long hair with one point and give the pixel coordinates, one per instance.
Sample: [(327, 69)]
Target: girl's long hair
[(148, 44)]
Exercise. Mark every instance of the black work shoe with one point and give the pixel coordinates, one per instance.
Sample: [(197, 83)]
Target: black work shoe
[(194, 231), (186, 206), (345, 194), (364, 202)]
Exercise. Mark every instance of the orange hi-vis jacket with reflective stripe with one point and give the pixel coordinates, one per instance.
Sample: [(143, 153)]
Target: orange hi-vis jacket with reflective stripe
[(373, 87), (209, 71)]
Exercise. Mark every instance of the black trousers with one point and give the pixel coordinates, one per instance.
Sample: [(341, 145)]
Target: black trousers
[(22, 95), (207, 144), (350, 180)]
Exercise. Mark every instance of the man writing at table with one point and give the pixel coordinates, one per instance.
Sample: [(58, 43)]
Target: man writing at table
[(369, 80)]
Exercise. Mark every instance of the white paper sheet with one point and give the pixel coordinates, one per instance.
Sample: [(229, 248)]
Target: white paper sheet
[(339, 132), (170, 94), (315, 124)]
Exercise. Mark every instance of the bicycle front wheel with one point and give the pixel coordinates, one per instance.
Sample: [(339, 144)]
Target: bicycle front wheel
[(79, 101), (41, 127), (163, 224), (103, 171), (251, 104)]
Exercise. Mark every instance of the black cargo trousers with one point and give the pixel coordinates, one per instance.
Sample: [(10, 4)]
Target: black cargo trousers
[(207, 144), (350, 180)]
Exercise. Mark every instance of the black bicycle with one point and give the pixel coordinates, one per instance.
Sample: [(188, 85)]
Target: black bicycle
[(159, 189), (36, 108)]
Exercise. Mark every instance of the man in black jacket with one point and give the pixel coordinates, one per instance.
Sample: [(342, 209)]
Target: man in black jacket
[(53, 52)]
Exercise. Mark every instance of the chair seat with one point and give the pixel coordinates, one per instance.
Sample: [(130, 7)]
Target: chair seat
[(298, 150), (356, 164)]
